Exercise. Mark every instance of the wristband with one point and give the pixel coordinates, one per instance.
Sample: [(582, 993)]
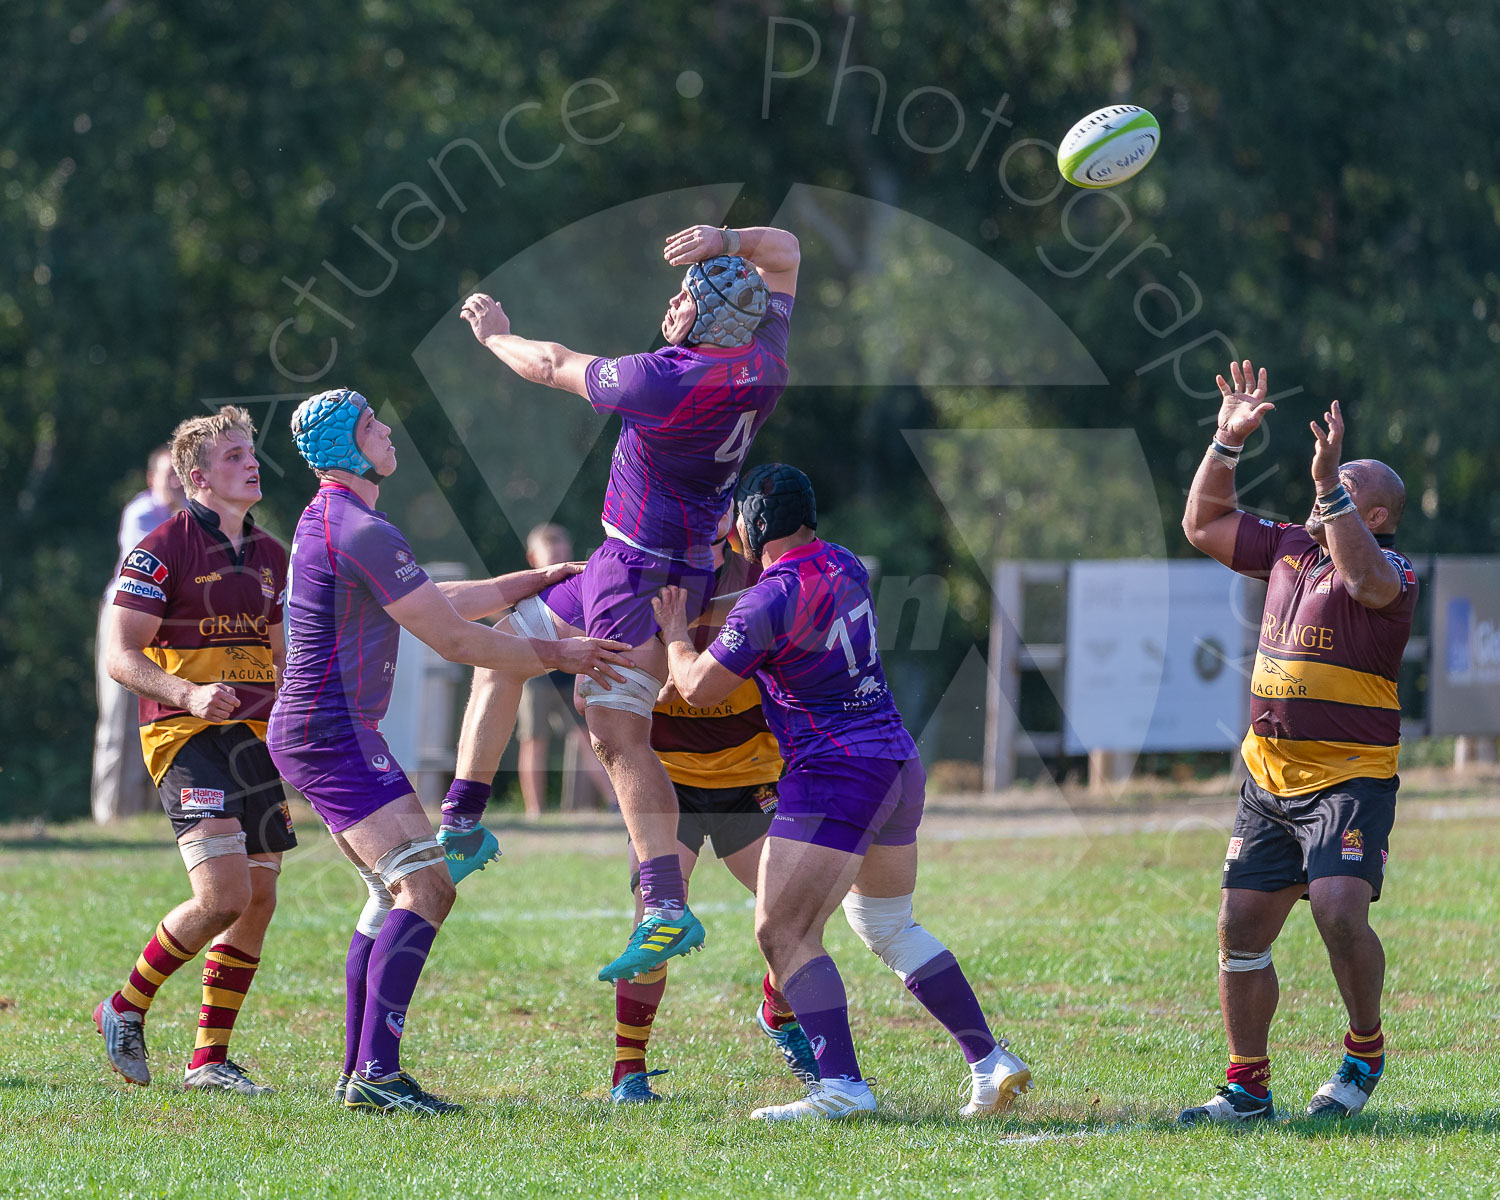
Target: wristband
[(1336, 499), (1229, 460), (1232, 451), (1334, 514), (731, 240)]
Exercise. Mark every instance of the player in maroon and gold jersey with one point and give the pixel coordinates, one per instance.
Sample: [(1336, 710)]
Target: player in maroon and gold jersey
[(1316, 812), (196, 632), (724, 763)]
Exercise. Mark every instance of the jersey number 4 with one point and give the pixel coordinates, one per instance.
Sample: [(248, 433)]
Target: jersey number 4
[(839, 636), (734, 448)]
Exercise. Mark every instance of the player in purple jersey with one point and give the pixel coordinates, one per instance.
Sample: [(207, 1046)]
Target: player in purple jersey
[(851, 799), (354, 584), (690, 411)]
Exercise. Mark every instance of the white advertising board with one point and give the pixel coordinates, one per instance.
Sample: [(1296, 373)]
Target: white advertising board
[(1155, 657)]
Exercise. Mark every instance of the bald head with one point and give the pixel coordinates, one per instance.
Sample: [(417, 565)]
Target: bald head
[(1375, 485)]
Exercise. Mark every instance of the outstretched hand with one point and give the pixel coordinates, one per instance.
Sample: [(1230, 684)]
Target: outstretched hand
[(1329, 449), (1244, 404), (696, 243), (485, 316)]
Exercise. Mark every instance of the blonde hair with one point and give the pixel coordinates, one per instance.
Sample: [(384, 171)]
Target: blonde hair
[(194, 438)]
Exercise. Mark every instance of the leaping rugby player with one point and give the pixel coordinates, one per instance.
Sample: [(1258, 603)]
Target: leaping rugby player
[(354, 585), (690, 411), (196, 632), (724, 763), (851, 799)]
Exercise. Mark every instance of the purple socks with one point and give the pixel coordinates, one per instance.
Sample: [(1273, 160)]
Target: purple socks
[(661, 883), (355, 967), (396, 960), (463, 806), (816, 994), (941, 988)]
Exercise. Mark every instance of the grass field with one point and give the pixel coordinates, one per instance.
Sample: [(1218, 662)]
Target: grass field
[(1095, 955)]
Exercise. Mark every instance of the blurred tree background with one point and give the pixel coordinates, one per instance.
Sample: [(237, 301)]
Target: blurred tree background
[(1326, 198)]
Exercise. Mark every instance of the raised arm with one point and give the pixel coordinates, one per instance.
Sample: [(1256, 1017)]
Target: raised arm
[(547, 363), (1212, 519), (775, 253), (427, 614), (1347, 518)]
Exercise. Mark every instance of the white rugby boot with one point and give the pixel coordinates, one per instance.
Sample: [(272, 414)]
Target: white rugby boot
[(227, 1076), (832, 1099), (1347, 1092), (999, 1079), (1233, 1105)]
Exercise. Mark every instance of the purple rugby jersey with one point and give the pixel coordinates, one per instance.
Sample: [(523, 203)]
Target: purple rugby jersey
[(806, 630), (690, 414), (348, 562)]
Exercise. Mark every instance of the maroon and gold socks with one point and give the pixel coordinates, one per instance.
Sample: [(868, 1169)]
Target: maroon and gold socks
[(775, 1010), (1368, 1046), (1252, 1073), (636, 1002), (227, 975), (162, 956)]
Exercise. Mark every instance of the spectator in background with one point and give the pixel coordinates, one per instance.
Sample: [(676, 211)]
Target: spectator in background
[(120, 784), (547, 706)]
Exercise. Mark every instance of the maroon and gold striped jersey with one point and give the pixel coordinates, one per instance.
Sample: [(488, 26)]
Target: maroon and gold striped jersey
[(216, 608), (724, 745), (1323, 703)]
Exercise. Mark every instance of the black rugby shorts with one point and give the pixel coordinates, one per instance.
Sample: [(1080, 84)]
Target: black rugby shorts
[(1282, 841), (226, 771)]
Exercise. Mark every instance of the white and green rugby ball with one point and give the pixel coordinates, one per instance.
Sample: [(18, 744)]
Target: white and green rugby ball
[(1109, 146)]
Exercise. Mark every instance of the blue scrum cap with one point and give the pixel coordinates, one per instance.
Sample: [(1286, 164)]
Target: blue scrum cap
[(323, 428)]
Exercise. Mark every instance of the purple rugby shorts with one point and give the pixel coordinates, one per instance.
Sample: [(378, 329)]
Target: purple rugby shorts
[(611, 597), (345, 777), (849, 804)]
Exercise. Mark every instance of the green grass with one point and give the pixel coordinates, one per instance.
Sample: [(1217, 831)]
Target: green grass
[(1095, 956)]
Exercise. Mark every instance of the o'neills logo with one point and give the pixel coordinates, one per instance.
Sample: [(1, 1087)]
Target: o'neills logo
[(211, 577), (231, 624)]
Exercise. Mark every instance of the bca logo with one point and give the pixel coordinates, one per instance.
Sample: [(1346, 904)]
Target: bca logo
[(147, 564), (381, 763)]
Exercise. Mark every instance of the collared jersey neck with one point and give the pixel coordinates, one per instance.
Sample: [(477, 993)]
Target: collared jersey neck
[(333, 485), (209, 520), (796, 553)]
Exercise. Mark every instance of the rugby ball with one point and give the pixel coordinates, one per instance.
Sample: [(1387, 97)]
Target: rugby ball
[(1109, 146)]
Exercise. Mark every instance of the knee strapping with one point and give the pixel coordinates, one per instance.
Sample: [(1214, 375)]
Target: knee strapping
[(884, 924), (636, 695), (411, 856), (531, 618), (1236, 961), (266, 865), (196, 851), (372, 916)]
